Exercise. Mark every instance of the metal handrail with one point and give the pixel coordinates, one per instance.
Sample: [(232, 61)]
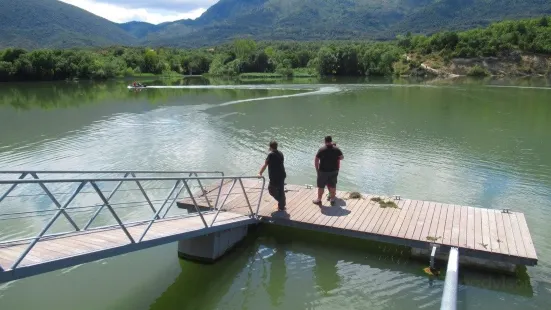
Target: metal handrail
[(105, 171), (34, 173), (181, 183), (30, 181)]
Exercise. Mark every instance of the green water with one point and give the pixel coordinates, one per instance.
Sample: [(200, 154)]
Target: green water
[(462, 142)]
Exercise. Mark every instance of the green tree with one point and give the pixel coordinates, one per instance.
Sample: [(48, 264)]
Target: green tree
[(243, 48), (6, 71)]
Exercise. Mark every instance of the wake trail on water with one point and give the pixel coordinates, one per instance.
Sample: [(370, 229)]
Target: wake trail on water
[(520, 87), (247, 87), (321, 91), (305, 90)]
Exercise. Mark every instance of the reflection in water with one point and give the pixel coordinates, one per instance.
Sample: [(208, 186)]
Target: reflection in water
[(200, 286), (278, 275), (293, 269), (326, 273)]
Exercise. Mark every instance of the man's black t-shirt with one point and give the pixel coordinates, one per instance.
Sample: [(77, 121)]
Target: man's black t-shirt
[(329, 158), (276, 169)]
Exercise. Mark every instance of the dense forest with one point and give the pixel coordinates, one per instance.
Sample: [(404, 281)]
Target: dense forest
[(344, 58), (35, 24)]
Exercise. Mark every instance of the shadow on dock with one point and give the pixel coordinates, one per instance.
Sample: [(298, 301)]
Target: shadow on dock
[(336, 209)]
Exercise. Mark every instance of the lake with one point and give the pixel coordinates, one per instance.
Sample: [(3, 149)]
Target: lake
[(467, 142)]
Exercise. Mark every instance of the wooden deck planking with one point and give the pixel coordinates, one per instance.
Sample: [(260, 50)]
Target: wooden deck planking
[(74, 244), (384, 218), (526, 237), (509, 234), (486, 242), (478, 242), (494, 236), (433, 229), (501, 236), (423, 222), (370, 221), (365, 211), (387, 226), (334, 211), (516, 234), (300, 206), (405, 219), (355, 210), (470, 228), (400, 219), (463, 226), (448, 225), (441, 223), (456, 228)]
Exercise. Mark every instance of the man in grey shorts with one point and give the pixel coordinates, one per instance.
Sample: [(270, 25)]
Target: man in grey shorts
[(327, 165)]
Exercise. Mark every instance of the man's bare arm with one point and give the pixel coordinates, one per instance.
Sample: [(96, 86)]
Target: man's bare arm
[(263, 168), (317, 163)]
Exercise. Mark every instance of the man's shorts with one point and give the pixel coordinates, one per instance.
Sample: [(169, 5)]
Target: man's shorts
[(328, 179)]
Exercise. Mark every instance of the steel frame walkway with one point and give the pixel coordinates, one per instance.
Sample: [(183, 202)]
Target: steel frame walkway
[(78, 240)]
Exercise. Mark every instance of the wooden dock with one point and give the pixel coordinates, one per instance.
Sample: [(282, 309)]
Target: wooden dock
[(495, 235)]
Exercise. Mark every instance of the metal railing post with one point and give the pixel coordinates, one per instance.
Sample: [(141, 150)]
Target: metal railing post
[(54, 200), (246, 197), (449, 297), (22, 176), (195, 203), (100, 194), (174, 200), (203, 191), (144, 194), (223, 202), (103, 205), (219, 192), (160, 209), (260, 197), (48, 225)]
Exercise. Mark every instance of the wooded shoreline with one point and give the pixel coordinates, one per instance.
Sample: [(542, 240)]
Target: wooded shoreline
[(508, 48)]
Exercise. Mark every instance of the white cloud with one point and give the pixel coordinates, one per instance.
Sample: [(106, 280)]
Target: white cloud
[(120, 14)]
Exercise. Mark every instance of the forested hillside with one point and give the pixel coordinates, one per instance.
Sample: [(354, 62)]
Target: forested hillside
[(50, 23), (507, 40)]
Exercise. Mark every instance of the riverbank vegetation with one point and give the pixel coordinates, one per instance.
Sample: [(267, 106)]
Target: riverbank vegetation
[(407, 55)]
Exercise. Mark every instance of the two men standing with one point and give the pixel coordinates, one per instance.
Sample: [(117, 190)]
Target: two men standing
[(327, 163)]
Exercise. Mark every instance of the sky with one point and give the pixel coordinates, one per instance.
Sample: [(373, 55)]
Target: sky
[(151, 11)]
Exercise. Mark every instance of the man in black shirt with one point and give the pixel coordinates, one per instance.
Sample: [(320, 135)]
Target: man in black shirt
[(277, 175), (327, 164)]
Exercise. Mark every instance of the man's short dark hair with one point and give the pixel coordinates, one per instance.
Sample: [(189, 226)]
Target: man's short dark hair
[(328, 139), (273, 145)]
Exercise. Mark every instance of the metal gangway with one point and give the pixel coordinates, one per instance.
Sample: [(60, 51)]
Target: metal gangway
[(51, 220)]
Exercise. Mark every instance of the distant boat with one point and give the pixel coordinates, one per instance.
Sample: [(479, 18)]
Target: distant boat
[(137, 86)]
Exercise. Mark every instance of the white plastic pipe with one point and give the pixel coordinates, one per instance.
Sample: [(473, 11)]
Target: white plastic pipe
[(449, 297)]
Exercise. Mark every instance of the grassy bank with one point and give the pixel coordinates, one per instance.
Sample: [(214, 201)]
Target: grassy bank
[(263, 75)]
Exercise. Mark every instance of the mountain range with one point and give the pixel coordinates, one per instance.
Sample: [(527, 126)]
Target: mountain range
[(35, 24)]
